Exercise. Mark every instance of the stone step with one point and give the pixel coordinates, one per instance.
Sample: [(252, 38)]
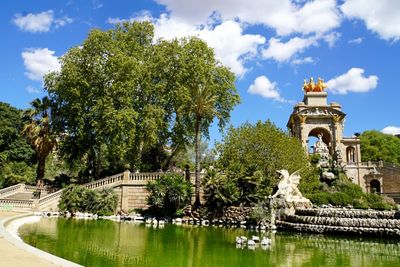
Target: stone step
[(21, 196), (326, 229), (346, 222), (349, 213)]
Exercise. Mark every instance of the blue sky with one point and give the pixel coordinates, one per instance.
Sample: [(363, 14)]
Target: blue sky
[(270, 45)]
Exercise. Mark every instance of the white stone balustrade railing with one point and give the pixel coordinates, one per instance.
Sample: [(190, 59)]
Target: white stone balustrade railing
[(30, 188), (145, 176), (105, 181), (12, 204), (51, 200), (8, 191)]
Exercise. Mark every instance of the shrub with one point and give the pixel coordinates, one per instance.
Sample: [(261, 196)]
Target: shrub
[(340, 199), (219, 190), (320, 198), (76, 198), (169, 194)]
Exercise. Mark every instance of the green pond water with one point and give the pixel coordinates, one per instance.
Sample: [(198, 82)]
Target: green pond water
[(107, 243)]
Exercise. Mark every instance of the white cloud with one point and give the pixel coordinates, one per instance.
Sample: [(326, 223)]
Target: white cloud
[(391, 130), (299, 61), (382, 17), (264, 87), (32, 90), (331, 38), (39, 62), (358, 40), (283, 52), (352, 81), (62, 22), (232, 47), (285, 16), (40, 22)]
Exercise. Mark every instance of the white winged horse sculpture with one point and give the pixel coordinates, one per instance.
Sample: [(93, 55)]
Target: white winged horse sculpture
[(287, 186)]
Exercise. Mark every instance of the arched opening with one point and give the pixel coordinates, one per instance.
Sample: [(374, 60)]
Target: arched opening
[(375, 186), (351, 154), (313, 137)]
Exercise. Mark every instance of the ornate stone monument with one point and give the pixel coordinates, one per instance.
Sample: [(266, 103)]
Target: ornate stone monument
[(288, 197), (314, 117)]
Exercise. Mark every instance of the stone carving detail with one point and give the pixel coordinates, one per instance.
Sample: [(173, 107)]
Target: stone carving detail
[(288, 189), (321, 111), (322, 150)]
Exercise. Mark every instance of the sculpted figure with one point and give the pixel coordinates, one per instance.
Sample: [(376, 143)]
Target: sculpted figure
[(320, 86), (287, 186)]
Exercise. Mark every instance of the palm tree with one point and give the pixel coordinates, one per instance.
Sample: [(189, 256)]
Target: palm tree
[(201, 107), (38, 132)]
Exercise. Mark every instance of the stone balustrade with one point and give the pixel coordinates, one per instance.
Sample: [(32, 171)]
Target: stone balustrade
[(145, 176), (11, 190), (16, 204), (111, 180)]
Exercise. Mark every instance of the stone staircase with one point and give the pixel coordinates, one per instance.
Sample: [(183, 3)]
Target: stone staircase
[(20, 196), (344, 221)]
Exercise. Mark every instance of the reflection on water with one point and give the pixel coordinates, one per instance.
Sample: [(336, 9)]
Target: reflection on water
[(107, 243)]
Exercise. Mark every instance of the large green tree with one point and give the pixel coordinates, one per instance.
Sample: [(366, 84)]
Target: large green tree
[(16, 155), (38, 132), (13, 145), (263, 146), (123, 97), (377, 146)]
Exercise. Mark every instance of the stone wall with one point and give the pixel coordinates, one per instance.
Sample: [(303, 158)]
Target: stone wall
[(391, 179)]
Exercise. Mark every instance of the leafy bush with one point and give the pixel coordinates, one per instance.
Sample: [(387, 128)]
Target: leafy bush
[(340, 199), (76, 198), (14, 172), (321, 198), (169, 194), (219, 190)]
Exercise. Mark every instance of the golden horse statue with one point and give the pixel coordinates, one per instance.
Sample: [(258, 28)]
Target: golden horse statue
[(312, 87)]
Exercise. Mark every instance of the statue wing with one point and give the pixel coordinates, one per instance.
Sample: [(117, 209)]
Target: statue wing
[(294, 178)]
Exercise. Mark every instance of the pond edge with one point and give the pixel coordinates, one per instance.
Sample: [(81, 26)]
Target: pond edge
[(4, 232)]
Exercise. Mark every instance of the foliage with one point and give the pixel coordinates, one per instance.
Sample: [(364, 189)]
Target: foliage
[(250, 156), (169, 194), (260, 213), (343, 193), (377, 146), (15, 172), (38, 132), (219, 190), (16, 155), (77, 198), (263, 146), (122, 97), (13, 146)]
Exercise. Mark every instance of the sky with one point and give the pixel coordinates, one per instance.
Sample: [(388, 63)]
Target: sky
[(271, 46)]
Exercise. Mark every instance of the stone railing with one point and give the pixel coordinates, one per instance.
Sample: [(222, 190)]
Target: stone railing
[(30, 188), (145, 176), (16, 204), (49, 201), (105, 181), (11, 190)]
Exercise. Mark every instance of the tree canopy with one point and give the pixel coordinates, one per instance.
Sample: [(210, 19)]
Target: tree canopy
[(122, 97), (249, 157), (377, 146), (16, 155)]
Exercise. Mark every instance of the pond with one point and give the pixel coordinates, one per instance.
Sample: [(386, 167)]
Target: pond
[(108, 243)]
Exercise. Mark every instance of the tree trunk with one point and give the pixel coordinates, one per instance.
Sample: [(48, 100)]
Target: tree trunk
[(197, 162), (40, 169)]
